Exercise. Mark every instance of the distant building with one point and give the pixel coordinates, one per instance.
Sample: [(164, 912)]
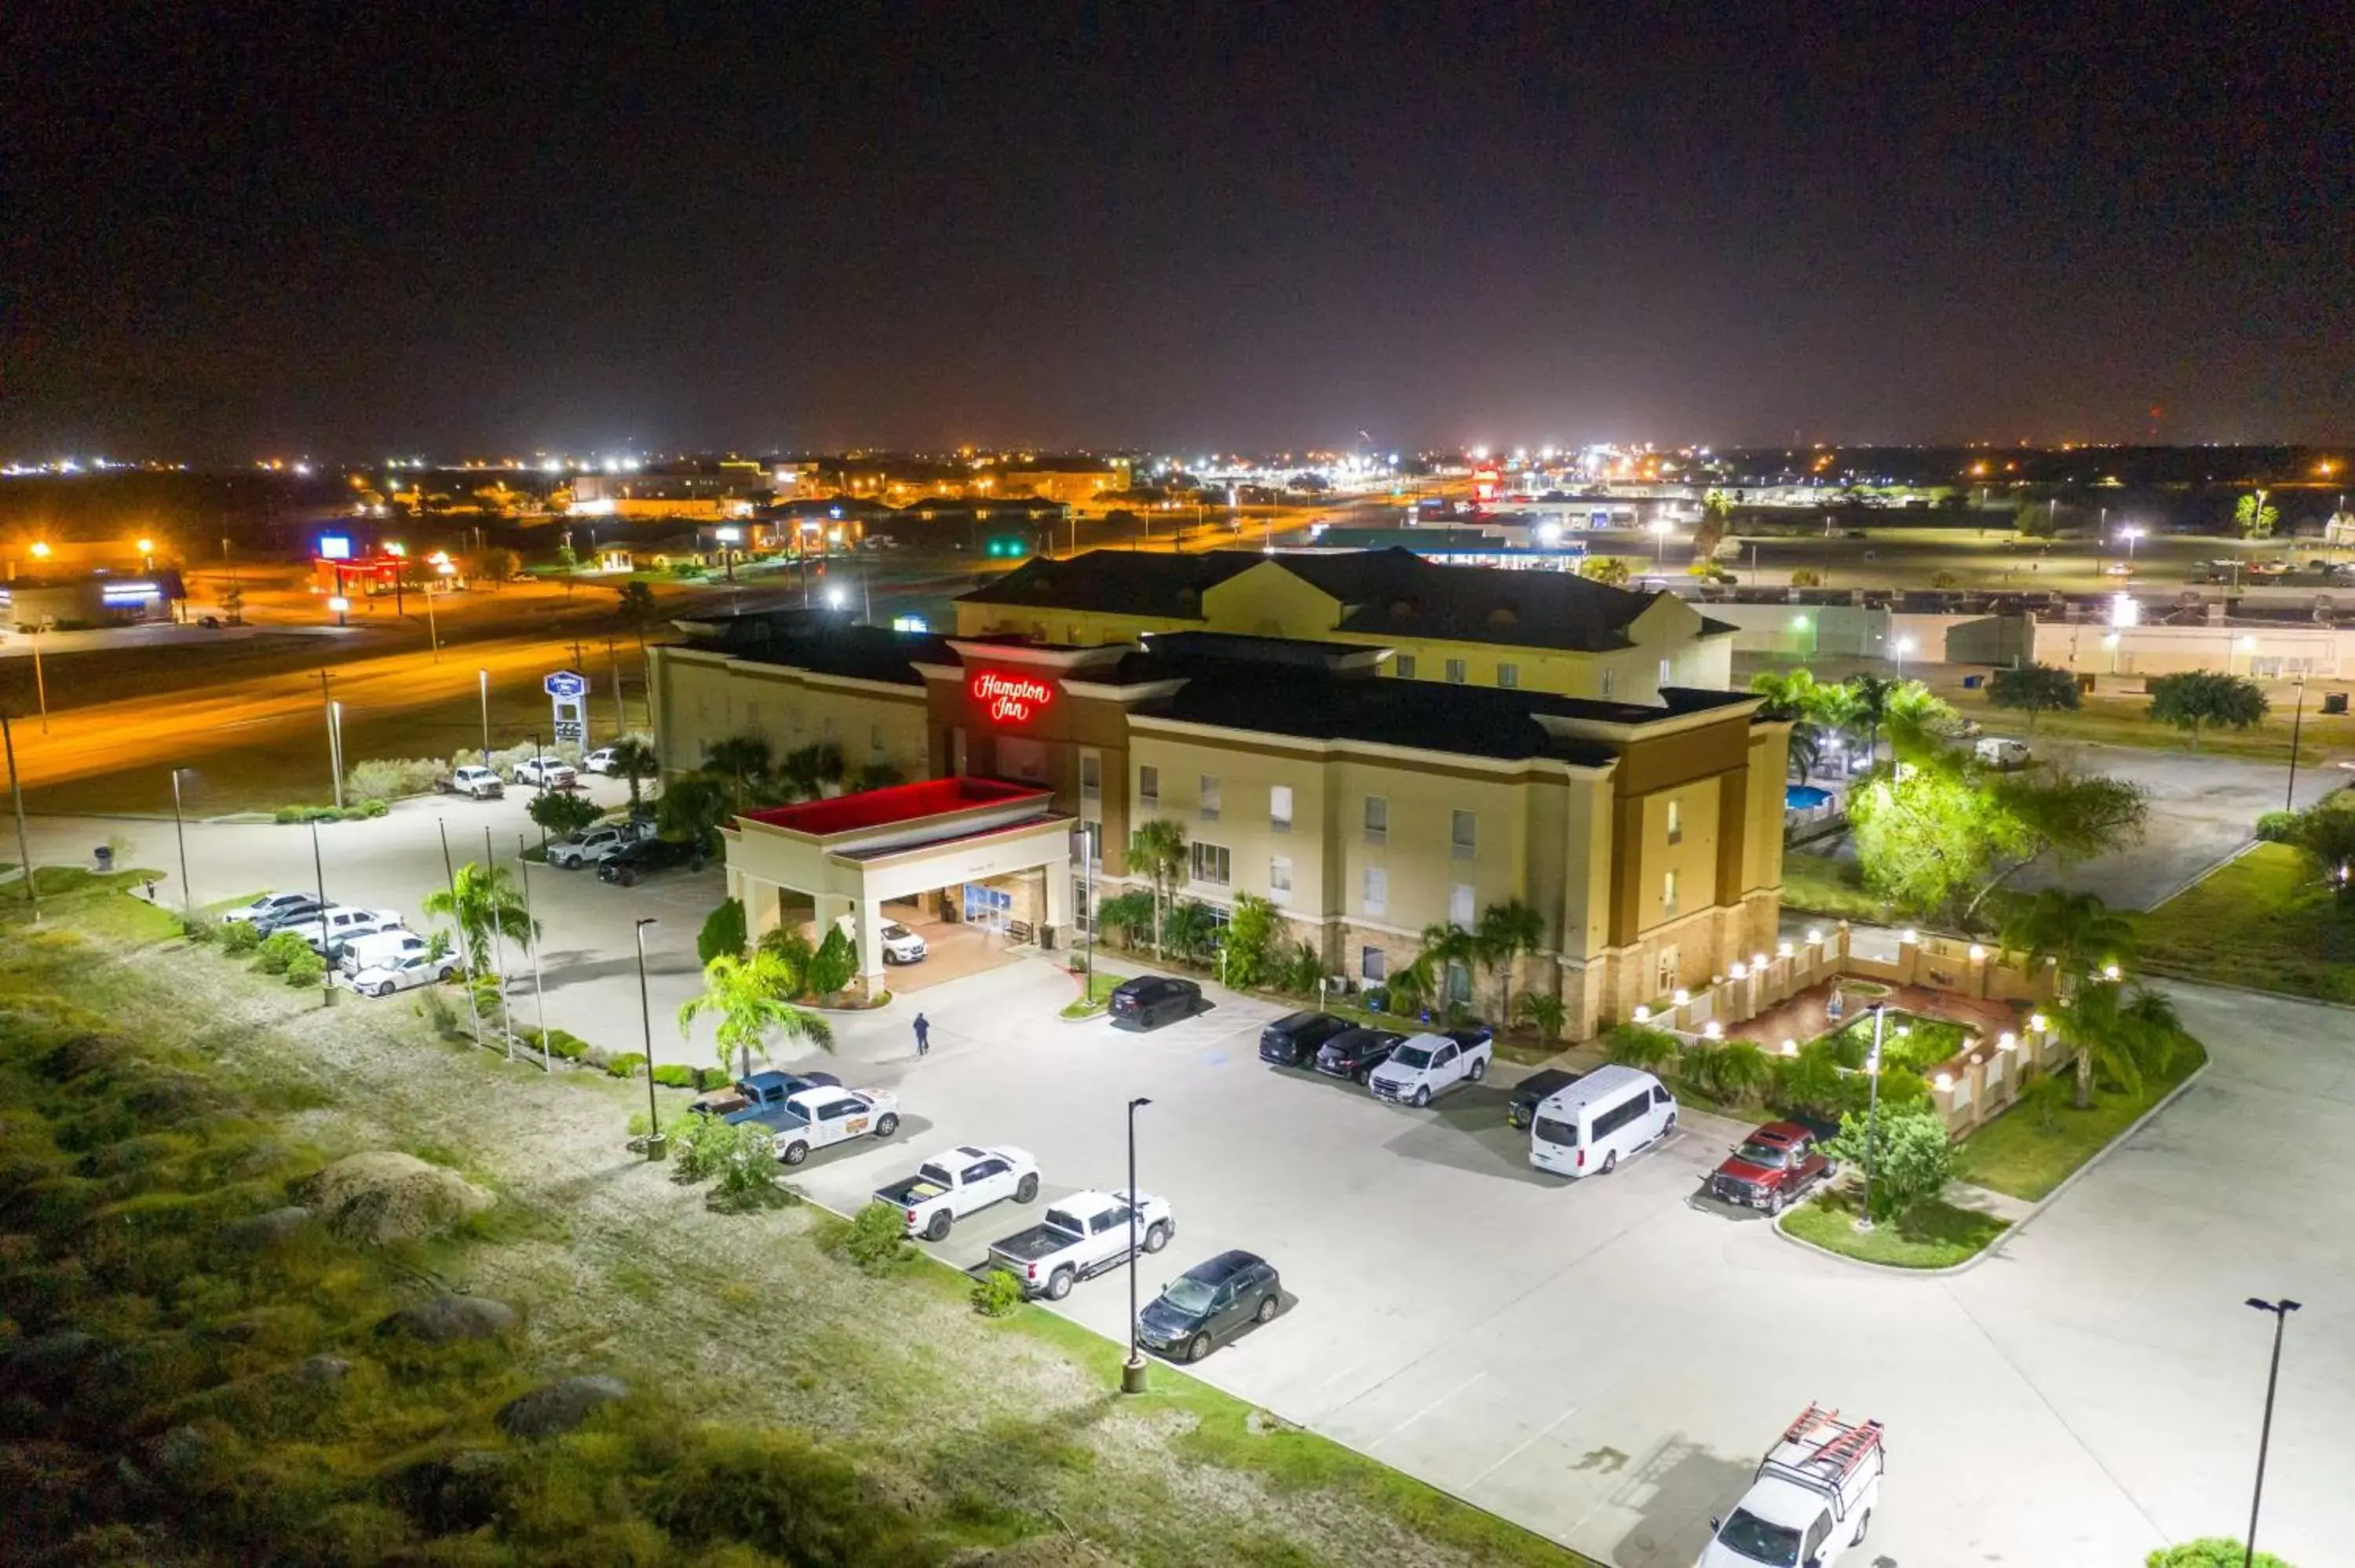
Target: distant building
[(61, 603), (710, 490)]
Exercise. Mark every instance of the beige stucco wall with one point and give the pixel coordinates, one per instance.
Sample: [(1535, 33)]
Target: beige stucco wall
[(702, 698)]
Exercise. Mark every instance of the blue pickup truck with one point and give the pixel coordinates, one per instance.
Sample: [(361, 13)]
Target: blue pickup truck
[(761, 1098)]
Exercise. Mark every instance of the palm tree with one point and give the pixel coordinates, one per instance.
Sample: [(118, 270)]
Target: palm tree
[(1547, 1013), (1914, 715), (1872, 693), (1445, 946), (1506, 931), (480, 901), (1739, 1070), (749, 995), (693, 807), (743, 760), (1157, 848), (1835, 709), (634, 759), (1807, 750), (1792, 697), (2077, 930), (2122, 1034)]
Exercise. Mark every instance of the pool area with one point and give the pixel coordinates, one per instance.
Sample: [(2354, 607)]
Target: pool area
[(1804, 796)]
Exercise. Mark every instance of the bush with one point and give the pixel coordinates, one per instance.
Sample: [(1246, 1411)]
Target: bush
[(558, 1042), (306, 969), (831, 967), (239, 936), (1640, 1045), (2278, 827), (439, 1015), (624, 1066), (562, 812), (712, 1078), (2210, 1552), (996, 1294), (674, 1075), (200, 929), (876, 1238), (280, 949), (1912, 1159), (723, 932), (391, 778)]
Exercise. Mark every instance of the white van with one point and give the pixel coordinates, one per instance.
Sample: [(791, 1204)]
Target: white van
[(1586, 1127), (381, 947)]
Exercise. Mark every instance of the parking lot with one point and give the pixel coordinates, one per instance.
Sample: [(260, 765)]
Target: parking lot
[(1604, 1360)]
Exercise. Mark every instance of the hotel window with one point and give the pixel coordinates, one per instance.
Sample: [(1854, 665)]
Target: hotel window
[(1462, 834), (1378, 891), (1091, 774), (1460, 914), (1406, 666), (1210, 797), (1508, 676), (1459, 985), (1373, 965), (1665, 973), (1148, 788), (1211, 864), (1377, 819), (1279, 879), (1668, 893), (1610, 678), (1675, 821), (874, 737), (1455, 672), (1279, 807)]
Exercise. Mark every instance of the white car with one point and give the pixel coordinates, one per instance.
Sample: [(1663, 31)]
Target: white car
[(596, 843), (1997, 751), (901, 946), (381, 947), (1428, 1065), (598, 761), (400, 974), (816, 1117), (546, 773), (328, 930), (264, 908)]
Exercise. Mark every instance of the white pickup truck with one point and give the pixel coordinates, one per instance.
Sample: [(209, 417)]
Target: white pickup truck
[(598, 843), (960, 1182), (816, 1117), (479, 783), (1811, 1500), (1429, 1065), (1080, 1237)]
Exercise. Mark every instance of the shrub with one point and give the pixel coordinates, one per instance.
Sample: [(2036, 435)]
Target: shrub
[(2208, 1552), (1912, 1159), (831, 967), (239, 936), (1640, 1045), (571, 1046), (306, 969), (723, 932), (625, 1065), (391, 778), (562, 812), (279, 949), (712, 1078), (996, 1294), (876, 1238), (2278, 827), (439, 1015), (200, 929), (674, 1075), (745, 1160)]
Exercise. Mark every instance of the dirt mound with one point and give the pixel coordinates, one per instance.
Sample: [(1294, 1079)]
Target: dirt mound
[(387, 1197), (449, 1317)]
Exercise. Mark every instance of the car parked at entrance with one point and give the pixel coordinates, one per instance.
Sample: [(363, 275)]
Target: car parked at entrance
[(1209, 1303), (816, 1118), (1355, 1053), (402, 974), (1080, 1237), (1587, 1129), (1294, 1040), (1422, 1066), (960, 1182), (1149, 1001), (625, 867), (1522, 1109), (901, 946), (1772, 1167)]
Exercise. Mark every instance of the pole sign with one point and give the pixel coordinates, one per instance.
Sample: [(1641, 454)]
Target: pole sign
[(1010, 699), (567, 695)]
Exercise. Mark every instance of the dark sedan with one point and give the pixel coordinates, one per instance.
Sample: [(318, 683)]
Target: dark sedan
[(1209, 1303), (1355, 1053), (1150, 1001), (626, 865), (1531, 1092), (1294, 1039)]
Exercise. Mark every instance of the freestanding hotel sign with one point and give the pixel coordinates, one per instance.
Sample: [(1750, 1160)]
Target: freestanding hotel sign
[(568, 694), (1010, 699)]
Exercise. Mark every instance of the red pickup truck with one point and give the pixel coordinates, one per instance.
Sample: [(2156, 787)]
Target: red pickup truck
[(1774, 1167)]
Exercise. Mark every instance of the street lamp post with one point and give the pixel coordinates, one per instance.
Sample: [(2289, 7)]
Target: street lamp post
[(2281, 1310), (319, 871), (2130, 533), (2296, 726), (1132, 1375), (531, 930), (506, 1014), (180, 832), (1871, 1111), (465, 949), (1660, 541), (16, 796), (656, 1148), (482, 685)]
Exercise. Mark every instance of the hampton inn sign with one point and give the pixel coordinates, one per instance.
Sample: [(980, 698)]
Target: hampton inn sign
[(1010, 699)]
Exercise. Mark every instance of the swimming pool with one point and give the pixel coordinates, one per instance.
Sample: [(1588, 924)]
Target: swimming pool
[(1803, 797)]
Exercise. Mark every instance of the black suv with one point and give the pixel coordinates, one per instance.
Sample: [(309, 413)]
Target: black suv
[(1294, 1040), (1150, 1001), (647, 856), (1210, 1302), (1355, 1053), (1531, 1092)]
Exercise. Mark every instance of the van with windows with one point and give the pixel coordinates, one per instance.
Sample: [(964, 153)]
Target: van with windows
[(1587, 1129)]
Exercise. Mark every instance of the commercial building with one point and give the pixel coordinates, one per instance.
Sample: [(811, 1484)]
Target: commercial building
[(1647, 836), (1539, 631)]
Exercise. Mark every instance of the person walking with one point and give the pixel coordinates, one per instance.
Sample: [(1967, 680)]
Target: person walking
[(923, 1035)]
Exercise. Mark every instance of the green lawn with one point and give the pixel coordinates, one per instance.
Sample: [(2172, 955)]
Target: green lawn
[(1932, 1235), (1819, 884), (2018, 1154), (2259, 921), (1099, 992), (1910, 1041), (114, 906)]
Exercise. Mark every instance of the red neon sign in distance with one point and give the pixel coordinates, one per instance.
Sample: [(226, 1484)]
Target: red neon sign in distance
[(1010, 699)]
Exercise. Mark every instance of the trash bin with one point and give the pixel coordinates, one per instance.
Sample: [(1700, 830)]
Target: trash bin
[(2334, 702), (104, 857), (1973, 682)]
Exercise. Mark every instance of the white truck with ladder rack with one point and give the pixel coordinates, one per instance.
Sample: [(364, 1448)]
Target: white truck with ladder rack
[(1811, 1500)]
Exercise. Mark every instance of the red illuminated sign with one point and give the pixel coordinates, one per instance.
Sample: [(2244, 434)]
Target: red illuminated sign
[(1011, 699)]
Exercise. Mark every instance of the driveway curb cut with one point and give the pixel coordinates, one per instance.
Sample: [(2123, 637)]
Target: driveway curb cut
[(2026, 1220)]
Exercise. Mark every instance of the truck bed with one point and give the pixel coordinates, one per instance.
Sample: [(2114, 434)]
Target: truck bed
[(911, 1189), (1030, 1245)]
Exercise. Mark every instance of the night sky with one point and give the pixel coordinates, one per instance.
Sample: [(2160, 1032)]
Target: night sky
[(391, 230)]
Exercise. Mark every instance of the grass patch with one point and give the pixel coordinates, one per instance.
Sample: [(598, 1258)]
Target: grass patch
[(2260, 920), (112, 904), (1910, 1041), (2027, 1154), (1933, 1235), (1821, 885), (1101, 986)]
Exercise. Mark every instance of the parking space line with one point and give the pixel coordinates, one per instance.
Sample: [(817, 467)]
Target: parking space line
[(1520, 1448), (1426, 1410)]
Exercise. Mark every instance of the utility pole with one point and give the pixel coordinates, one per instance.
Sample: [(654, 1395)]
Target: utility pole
[(335, 742), (1132, 1375), (483, 684), (180, 832), (507, 1018), (2281, 1310), (2297, 726), (40, 682), (539, 997), (319, 871), (17, 793), (1871, 1112), (654, 1147), (465, 949), (613, 673)]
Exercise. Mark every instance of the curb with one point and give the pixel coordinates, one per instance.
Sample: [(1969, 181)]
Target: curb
[(2196, 878), (2034, 1213), (2204, 983)]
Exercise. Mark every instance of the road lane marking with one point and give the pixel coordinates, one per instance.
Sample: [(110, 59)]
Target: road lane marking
[(1426, 1410), (1518, 1448)]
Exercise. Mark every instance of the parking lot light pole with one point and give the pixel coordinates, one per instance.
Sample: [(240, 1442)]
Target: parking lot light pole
[(482, 685), (319, 871), (2281, 1310), (506, 1014), (2297, 727), (16, 800), (539, 997), (655, 1146), (1871, 1110), (1132, 1375), (180, 832), (465, 949)]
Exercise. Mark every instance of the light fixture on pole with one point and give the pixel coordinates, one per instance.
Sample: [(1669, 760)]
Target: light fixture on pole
[(1871, 1111), (180, 832), (2130, 533), (342, 606), (1659, 540), (656, 1147), (2281, 1310), (531, 944), (1131, 1374)]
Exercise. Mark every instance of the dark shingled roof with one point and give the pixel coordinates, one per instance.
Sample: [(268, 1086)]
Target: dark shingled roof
[(1383, 593), (820, 643), (1471, 721)]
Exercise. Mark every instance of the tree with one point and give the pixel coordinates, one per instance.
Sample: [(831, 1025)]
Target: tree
[(1639, 1046), (635, 605), (876, 776), (2199, 697), (1192, 929), (743, 760), (2122, 1034), (1806, 576), (1944, 580), (562, 812), (748, 996), (1127, 914), (1911, 1157), (2032, 689), (1739, 1069), (723, 932), (1716, 521), (1545, 1013), (1810, 1083), (480, 901), (1791, 696), (1254, 942), (2325, 837), (2254, 517), (232, 603), (2210, 1552), (1916, 719), (634, 759), (2076, 930), (1445, 946), (832, 966), (1506, 931), (693, 808), (791, 949), (1609, 571), (1871, 694), (1158, 849)]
